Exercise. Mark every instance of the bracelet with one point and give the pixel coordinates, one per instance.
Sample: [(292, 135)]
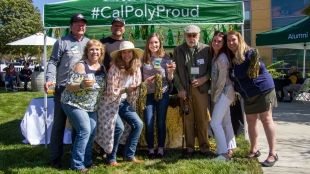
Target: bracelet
[(81, 87), (126, 91)]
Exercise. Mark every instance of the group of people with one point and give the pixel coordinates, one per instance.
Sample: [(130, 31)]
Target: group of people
[(98, 83), (24, 76)]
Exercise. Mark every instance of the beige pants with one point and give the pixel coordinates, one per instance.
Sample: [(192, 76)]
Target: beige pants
[(199, 114)]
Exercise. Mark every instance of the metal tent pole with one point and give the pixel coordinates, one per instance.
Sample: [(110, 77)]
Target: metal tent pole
[(45, 95)]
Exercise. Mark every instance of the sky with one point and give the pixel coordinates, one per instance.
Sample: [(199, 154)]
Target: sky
[(40, 3)]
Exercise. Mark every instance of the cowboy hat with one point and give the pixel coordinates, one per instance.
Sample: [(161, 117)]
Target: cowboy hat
[(126, 45)]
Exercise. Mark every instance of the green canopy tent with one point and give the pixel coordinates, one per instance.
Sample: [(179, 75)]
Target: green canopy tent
[(293, 36), (141, 12)]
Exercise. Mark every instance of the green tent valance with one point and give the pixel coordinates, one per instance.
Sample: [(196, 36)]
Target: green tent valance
[(144, 12), (293, 36)]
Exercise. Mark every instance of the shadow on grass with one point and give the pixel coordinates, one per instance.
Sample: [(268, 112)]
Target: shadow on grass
[(11, 133)]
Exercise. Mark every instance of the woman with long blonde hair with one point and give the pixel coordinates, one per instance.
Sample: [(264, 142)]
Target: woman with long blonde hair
[(255, 85), (118, 103)]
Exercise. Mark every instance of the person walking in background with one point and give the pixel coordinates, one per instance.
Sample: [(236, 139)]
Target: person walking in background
[(80, 102), (255, 85), (222, 95), (10, 76), (118, 103), (191, 76), (25, 75), (296, 82), (67, 51), (113, 42), (155, 61)]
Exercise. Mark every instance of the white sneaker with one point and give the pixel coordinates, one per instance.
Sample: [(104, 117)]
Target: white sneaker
[(220, 158), (14, 90)]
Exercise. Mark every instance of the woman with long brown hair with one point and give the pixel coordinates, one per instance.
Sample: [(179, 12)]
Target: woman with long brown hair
[(222, 95), (155, 61)]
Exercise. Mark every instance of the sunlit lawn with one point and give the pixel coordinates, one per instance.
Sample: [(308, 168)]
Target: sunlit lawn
[(16, 157)]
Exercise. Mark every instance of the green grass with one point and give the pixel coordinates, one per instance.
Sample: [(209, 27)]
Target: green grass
[(16, 157)]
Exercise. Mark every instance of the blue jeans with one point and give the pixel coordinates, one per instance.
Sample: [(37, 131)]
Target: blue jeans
[(85, 124), (161, 107), (129, 115), (25, 79), (11, 81)]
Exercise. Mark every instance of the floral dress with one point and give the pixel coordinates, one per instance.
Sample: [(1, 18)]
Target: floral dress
[(108, 107), (87, 98)]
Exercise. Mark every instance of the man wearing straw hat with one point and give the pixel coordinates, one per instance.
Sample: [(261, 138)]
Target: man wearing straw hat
[(67, 51), (191, 78)]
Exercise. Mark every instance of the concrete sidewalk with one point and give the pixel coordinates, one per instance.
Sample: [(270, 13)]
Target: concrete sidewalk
[(292, 121)]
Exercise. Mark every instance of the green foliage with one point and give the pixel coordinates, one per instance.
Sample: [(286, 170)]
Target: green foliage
[(16, 157), (306, 10), (272, 69), (18, 19)]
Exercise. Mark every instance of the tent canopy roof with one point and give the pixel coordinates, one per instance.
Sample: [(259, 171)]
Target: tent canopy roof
[(144, 12), (293, 36)]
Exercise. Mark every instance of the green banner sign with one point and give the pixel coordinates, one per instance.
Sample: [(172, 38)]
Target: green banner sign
[(101, 12)]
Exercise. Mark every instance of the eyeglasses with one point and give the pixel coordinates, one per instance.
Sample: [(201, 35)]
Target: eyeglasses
[(191, 35)]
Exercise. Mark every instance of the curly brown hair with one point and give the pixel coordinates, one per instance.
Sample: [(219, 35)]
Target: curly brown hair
[(97, 43), (134, 64)]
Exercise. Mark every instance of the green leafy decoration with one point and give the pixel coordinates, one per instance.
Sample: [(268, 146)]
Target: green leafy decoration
[(66, 32), (152, 29), (137, 32), (49, 32), (236, 28), (224, 29), (170, 37), (206, 37)]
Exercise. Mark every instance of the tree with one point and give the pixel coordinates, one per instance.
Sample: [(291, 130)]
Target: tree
[(18, 19), (306, 10)]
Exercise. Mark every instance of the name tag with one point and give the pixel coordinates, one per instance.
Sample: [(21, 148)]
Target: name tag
[(200, 61), (157, 64), (195, 70)]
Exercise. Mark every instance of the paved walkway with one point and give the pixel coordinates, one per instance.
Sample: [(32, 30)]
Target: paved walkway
[(292, 122)]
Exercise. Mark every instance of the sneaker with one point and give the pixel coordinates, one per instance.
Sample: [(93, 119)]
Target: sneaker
[(14, 90), (220, 158)]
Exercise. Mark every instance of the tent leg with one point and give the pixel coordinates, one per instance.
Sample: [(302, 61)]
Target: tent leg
[(304, 64), (45, 95)]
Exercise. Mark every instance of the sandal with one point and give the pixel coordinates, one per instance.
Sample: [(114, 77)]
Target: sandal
[(254, 154), (267, 163)]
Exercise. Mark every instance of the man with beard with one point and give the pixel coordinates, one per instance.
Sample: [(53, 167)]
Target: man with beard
[(67, 51), (191, 79), (113, 42)]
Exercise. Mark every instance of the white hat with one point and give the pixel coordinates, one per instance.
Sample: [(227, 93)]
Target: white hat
[(126, 45)]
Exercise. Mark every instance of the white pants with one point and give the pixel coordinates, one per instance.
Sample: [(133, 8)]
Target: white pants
[(221, 125)]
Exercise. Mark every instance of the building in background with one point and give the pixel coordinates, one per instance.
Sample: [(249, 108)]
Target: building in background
[(272, 14)]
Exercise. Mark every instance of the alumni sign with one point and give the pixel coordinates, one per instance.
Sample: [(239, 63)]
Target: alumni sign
[(143, 12)]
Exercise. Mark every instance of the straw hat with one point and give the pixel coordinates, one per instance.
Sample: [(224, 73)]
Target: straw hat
[(126, 45)]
